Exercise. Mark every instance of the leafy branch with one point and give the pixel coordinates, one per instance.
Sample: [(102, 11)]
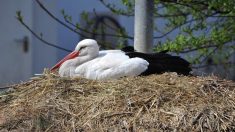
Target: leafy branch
[(76, 27), (19, 17), (214, 20), (213, 64), (129, 4)]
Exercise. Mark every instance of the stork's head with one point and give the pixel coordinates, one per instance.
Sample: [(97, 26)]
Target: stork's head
[(85, 48)]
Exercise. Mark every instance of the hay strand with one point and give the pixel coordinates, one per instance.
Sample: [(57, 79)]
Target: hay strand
[(166, 102)]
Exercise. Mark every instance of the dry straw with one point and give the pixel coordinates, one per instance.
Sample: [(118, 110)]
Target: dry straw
[(166, 102)]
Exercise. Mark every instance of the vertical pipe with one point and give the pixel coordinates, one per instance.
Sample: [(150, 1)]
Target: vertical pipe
[(143, 37)]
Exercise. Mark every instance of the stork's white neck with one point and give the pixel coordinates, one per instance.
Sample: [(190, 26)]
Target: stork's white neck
[(69, 66), (88, 49)]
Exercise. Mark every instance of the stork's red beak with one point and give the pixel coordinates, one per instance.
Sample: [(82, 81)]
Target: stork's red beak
[(69, 56)]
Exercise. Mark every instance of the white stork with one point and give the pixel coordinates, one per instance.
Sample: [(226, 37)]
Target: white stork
[(88, 62)]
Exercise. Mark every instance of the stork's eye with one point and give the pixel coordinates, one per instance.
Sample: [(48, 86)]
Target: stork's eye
[(82, 48)]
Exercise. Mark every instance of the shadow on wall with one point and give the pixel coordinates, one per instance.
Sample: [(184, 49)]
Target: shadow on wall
[(106, 27)]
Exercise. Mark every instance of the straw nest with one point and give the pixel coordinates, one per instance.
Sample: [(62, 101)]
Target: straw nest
[(166, 102)]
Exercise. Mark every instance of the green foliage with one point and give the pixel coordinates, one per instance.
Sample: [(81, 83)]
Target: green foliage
[(204, 27), (19, 16), (126, 10)]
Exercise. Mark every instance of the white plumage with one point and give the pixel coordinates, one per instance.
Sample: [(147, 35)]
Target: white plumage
[(100, 65)]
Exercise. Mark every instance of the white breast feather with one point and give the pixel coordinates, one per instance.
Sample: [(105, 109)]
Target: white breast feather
[(112, 65)]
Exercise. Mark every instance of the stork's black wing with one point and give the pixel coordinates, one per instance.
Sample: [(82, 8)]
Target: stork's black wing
[(161, 62)]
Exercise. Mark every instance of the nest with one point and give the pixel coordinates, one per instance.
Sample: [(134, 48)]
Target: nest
[(166, 102)]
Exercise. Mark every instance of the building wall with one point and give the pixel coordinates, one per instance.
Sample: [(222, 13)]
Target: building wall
[(44, 56), (68, 39), (41, 56), (15, 64)]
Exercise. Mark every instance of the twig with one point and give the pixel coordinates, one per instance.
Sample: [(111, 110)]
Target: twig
[(107, 34), (114, 10), (172, 15), (39, 38), (205, 58), (213, 51), (176, 27), (118, 114), (199, 3), (203, 66), (72, 29), (180, 25), (59, 21), (182, 4), (195, 120), (194, 49)]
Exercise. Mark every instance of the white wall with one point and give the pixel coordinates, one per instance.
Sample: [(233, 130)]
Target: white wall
[(44, 56), (15, 64)]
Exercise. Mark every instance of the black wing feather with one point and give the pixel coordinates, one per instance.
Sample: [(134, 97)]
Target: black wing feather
[(161, 62)]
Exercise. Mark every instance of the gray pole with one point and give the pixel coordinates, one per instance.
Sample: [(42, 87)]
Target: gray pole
[(143, 38)]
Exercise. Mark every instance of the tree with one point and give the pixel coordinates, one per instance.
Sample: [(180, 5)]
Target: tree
[(204, 28)]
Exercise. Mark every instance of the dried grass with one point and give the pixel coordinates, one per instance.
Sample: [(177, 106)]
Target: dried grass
[(166, 102)]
